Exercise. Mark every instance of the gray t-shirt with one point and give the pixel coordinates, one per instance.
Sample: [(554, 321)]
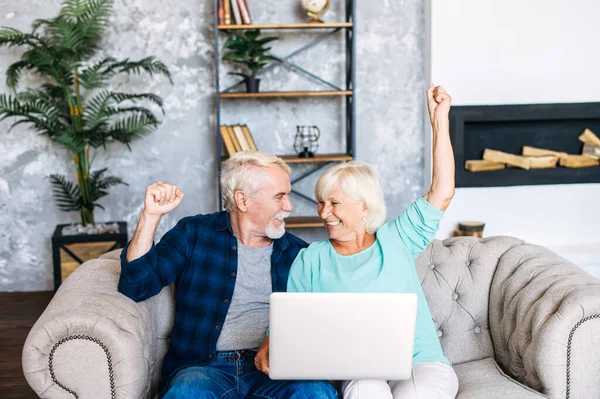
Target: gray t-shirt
[(248, 316)]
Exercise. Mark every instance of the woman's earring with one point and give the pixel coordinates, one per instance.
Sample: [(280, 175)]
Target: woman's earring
[(364, 219)]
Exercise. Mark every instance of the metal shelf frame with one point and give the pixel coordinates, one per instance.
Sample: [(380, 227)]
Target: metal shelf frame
[(349, 92)]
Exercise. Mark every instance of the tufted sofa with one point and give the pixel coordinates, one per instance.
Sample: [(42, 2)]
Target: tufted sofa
[(516, 320)]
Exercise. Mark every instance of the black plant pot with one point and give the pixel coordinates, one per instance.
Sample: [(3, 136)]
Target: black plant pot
[(252, 85)]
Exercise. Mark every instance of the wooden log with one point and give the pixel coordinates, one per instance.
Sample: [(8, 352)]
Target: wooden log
[(538, 152), (591, 150), (469, 229), (543, 162), (578, 161), (509, 159), (480, 165), (589, 137)]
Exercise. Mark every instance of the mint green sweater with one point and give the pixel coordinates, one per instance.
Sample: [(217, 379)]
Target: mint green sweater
[(386, 266)]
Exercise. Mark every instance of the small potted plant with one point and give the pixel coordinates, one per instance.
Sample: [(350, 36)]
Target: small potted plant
[(249, 50)]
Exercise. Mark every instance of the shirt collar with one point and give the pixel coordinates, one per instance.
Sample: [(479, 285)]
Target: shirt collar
[(224, 223)]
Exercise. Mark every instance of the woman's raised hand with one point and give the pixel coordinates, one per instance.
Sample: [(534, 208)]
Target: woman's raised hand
[(438, 102)]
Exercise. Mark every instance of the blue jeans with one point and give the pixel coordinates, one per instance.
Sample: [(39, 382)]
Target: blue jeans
[(233, 375)]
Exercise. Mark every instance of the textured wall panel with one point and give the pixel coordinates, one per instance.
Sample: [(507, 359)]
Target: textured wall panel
[(390, 99)]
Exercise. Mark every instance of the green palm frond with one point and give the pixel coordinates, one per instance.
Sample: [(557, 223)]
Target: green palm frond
[(39, 112), (131, 128), (40, 106), (104, 105), (11, 107), (95, 76), (153, 98), (46, 61), (13, 73), (94, 19), (39, 23), (66, 193), (96, 109), (13, 37), (100, 184), (149, 65), (67, 34), (72, 142), (133, 110), (81, 24), (33, 95)]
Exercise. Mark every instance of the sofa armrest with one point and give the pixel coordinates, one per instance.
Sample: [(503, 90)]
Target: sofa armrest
[(544, 317), (91, 339)]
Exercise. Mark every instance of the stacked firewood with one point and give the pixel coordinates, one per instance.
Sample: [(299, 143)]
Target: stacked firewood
[(540, 158)]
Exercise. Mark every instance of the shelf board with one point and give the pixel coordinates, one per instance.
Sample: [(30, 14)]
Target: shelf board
[(287, 94), (299, 222), (289, 26), (316, 158)]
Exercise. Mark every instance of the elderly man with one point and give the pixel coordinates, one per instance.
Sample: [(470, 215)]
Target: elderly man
[(225, 265)]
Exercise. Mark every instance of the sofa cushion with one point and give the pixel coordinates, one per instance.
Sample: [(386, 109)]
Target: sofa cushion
[(484, 379), (456, 275)]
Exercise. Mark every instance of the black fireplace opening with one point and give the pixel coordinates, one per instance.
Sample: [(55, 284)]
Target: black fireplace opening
[(508, 128)]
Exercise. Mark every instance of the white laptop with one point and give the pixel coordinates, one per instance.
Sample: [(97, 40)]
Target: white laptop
[(335, 336)]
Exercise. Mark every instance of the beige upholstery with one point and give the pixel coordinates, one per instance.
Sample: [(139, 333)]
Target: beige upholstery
[(504, 309)]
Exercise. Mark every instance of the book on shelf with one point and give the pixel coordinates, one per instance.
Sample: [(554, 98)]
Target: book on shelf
[(221, 13), (227, 141), (239, 134), (236, 143), (234, 12), (244, 11), (249, 138), (237, 138), (227, 12)]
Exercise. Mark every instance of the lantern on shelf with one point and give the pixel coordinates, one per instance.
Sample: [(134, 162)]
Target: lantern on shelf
[(305, 142)]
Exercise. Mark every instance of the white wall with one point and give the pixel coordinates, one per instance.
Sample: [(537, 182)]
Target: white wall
[(518, 52)]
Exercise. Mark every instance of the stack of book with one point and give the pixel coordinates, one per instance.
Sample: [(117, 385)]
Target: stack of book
[(234, 12), (237, 138)]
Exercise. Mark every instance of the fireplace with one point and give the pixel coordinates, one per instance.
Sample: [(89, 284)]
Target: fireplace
[(508, 128)]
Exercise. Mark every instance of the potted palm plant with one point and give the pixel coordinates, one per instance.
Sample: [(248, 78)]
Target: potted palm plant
[(248, 50), (72, 105)]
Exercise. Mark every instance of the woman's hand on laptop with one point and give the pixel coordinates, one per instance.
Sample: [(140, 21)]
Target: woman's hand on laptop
[(261, 360)]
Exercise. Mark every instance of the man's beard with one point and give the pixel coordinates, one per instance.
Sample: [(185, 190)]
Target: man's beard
[(276, 232)]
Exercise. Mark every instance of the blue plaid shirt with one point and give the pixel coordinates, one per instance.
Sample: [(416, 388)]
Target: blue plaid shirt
[(199, 255)]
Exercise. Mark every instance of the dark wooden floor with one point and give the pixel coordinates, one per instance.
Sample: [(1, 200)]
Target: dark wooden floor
[(18, 313)]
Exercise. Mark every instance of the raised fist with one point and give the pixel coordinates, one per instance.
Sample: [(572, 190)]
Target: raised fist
[(438, 102), (161, 198)]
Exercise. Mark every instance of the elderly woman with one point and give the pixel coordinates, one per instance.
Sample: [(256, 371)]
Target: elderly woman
[(364, 254)]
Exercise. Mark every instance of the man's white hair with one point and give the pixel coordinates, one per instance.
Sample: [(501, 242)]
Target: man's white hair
[(361, 182), (241, 172)]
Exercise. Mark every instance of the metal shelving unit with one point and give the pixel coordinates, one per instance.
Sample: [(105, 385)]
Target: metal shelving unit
[(348, 92)]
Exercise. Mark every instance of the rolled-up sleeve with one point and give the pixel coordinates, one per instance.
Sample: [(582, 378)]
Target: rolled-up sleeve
[(417, 225), (159, 267)]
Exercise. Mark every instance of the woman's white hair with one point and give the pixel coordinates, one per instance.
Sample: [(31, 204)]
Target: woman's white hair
[(361, 182), (240, 172)]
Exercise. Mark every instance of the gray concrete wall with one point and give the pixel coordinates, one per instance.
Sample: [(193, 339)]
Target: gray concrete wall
[(390, 86)]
